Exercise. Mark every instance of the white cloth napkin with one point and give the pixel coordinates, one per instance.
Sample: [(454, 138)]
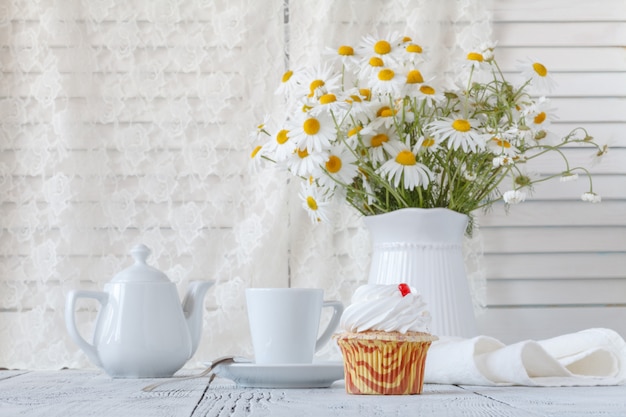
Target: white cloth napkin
[(590, 357)]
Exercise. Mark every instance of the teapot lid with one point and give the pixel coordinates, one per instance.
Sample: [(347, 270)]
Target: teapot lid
[(140, 271)]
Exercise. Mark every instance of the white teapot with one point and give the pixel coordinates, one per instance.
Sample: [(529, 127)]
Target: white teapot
[(142, 331)]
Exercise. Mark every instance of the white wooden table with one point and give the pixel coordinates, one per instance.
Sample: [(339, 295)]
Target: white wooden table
[(72, 393)]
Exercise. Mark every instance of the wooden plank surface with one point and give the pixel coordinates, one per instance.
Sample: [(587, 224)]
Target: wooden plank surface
[(70, 393), (557, 402)]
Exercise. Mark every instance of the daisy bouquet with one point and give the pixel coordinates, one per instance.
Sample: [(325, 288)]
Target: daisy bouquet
[(367, 128)]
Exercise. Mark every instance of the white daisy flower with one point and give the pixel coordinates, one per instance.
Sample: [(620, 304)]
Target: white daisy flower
[(315, 202), (303, 164), (426, 144), (370, 68), (386, 81), (502, 161), (501, 146), (476, 60), (261, 128), (339, 168), (257, 158), (469, 175), (538, 75), (538, 118), (367, 187), (413, 81), (345, 55), (361, 107), (426, 92), (384, 47), (568, 176), (313, 132), (519, 134), (319, 80), (332, 104), (591, 197), (351, 135), (487, 49), (289, 83), (599, 154), (380, 142), (384, 115), (539, 114), (514, 197), (412, 53), (280, 146), (404, 167), (459, 133)]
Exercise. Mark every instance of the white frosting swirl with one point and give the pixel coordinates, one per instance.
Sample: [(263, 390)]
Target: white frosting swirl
[(384, 308)]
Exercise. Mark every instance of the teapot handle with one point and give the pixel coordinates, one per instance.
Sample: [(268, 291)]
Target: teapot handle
[(70, 306)]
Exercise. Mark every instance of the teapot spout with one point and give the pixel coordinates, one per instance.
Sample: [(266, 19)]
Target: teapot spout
[(193, 308)]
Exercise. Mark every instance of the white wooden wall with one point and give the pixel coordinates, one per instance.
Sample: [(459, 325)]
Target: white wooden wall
[(556, 264)]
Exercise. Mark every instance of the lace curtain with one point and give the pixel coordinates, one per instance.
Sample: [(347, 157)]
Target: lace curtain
[(126, 122)]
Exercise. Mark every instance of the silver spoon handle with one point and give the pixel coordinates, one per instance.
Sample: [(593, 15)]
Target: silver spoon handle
[(208, 370)]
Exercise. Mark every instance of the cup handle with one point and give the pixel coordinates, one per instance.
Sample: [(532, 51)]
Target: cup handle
[(337, 307)]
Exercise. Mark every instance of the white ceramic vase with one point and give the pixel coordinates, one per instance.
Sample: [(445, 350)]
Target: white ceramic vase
[(423, 248)]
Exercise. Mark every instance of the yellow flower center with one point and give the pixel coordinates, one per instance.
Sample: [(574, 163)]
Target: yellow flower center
[(287, 76), (311, 126), (523, 180), (387, 112), (475, 56), (414, 77), (428, 142), (310, 201), (366, 93), (382, 47), (328, 98), (540, 69), (354, 98), (384, 112), (406, 39), (281, 136), (333, 165), (405, 158), (255, 151), (541, 135), (428, 90), (345, 50), (302, 153), (354, 131), (376, 62), (379, 139), (414, 48), (386, 75), (315, 84), (502, 143), (461, 125), (540, 118)]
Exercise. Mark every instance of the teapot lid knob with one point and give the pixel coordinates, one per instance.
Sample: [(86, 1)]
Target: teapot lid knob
[(140, 271), (140, 253)]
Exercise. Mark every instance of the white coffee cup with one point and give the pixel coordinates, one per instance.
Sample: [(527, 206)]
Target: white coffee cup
[(284, 323)]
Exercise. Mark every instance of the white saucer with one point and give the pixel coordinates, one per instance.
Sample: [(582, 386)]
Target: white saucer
[(251, 375)]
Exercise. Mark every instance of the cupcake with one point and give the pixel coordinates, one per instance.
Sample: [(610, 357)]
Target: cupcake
[(384, 340)]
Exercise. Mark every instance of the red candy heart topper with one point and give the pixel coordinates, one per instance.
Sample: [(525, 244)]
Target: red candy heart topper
[(404, 289)]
